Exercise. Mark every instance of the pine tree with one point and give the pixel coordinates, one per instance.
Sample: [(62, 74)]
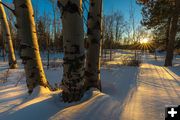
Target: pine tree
[(29, 49), (159, 14), (156, 13), (172, 33), (74, 53)]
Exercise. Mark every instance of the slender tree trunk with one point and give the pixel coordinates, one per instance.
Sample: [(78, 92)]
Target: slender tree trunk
[(135, 54), (29, 49), (92, 69), (102, 48), (172, 34), (8, 38), (48, 51), (167, 32), (74, 51), (54, 25), (3, 50), (103, 39), (110, 48), (104, 57), (155, 55), (117, 30)]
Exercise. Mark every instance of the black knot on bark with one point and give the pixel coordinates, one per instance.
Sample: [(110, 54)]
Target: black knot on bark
[(92, 4), (23, 6), (69, 7)]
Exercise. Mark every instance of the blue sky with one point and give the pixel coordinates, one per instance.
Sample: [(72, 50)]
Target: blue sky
[(124, 7), (108, 7)]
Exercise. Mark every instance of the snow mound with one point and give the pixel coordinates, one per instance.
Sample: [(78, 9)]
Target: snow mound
[(94, 106), (40, 91)]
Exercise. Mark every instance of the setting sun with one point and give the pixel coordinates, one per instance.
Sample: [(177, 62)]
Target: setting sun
[(89, 59), (144, 40)]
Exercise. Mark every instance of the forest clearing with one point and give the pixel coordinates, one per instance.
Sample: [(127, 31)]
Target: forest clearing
[(149, 86), (89, 60)]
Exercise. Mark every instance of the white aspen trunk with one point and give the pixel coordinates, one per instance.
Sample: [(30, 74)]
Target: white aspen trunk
[(7, 37), (74, 52), (29, 49), (92, 69)]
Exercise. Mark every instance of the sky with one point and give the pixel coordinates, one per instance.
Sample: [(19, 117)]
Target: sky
[(108, 7), (123, 6)]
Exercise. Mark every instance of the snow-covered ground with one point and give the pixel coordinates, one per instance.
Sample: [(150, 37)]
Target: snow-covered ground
[(157, 87), (128, 93)]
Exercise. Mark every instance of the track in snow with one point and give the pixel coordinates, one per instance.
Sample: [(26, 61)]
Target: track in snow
[(157, 87)]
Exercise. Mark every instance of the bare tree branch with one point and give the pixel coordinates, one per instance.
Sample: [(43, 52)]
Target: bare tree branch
[(7, 7)]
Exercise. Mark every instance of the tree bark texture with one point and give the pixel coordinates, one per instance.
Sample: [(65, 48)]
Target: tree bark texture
[(29, 49), (74, 51), (92, 68), (7, 38)]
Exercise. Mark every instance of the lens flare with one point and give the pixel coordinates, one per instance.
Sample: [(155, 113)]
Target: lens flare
[(144, 40)]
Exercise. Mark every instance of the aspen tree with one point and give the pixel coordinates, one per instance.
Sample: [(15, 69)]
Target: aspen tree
[(29, 49), (172, 34), (92, 69), (7, 38), (74, 52)]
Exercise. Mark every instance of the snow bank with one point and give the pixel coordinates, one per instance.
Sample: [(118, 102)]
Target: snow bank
[(117, 84), (94, 106), (16, 104)]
